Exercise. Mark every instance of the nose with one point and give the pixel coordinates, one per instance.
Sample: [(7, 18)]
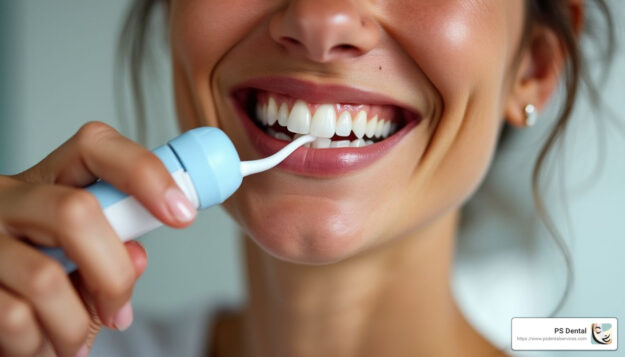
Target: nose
[(324, 30)]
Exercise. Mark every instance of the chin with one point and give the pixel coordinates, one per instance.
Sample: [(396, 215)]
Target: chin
[(300, 231)]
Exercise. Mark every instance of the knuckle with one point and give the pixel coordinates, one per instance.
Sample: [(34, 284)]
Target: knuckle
[(8, 182), (74, 207), (118, 287), (146, 168), (15, 317), (92, 132), (33, 192), (47, 278), (146, 164), (10, 192)]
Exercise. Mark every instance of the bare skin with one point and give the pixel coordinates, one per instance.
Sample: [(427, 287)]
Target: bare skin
[(395, 301), (359, 264), (349, 265), (373, 304)]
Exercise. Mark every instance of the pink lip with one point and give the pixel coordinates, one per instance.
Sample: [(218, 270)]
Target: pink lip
[(319, 93), (320, 162)]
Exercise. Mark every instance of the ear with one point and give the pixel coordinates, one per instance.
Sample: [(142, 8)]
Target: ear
[(540, 67)]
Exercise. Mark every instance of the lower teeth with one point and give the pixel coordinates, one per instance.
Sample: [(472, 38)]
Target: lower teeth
[(322, 143)]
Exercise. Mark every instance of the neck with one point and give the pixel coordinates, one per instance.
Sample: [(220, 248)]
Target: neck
[(394, 300)]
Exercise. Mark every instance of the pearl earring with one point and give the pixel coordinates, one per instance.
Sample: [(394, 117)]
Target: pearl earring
[(530, 115)]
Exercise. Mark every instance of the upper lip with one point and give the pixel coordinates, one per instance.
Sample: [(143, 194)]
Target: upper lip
[(320, 92)]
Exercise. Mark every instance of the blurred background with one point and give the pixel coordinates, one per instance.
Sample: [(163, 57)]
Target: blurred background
[(57, 70)]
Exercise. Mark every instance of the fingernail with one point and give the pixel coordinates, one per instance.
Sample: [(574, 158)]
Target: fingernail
[(83, 351), (123, 318), (179, 205)]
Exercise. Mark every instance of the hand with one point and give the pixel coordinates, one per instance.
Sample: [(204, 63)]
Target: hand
[(43, 311)]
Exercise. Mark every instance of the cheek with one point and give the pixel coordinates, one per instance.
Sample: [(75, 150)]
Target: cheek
[(468, 157), (465, 53), (457, 46), (201, 33)]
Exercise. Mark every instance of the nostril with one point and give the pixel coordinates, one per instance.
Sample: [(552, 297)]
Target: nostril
[(345, 50), (344, 47)]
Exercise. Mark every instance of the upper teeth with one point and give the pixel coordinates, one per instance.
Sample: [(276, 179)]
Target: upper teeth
[(325, 123)]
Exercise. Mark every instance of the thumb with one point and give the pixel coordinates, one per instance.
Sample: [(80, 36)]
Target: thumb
[(139, 259)]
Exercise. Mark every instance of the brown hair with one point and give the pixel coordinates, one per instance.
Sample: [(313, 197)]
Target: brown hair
[(553, 14)]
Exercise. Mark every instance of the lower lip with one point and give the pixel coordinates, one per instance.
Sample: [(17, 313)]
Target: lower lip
[(320, 162)]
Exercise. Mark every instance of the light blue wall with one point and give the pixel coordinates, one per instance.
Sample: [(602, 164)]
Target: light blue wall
[(62, 76), (7, 84)]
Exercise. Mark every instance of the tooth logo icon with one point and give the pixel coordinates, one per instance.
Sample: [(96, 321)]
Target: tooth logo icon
[(601, 334)]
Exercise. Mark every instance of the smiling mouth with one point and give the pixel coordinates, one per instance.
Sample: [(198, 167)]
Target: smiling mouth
[(354, 127), (336, 125)]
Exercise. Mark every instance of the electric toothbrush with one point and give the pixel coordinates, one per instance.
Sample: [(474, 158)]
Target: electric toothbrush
[(206, 167)]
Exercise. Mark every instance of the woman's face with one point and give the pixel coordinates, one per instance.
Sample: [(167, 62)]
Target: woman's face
[(437, 71)]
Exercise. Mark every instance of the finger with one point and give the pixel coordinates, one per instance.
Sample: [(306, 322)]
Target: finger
[(78, 225), (95, 323), (138, 256), (26, 210), (98, 150), (19, 332), (47, 350), (40, 236), (43, 283)]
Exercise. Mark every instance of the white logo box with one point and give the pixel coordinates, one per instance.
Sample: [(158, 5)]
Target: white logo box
[(564, 333)]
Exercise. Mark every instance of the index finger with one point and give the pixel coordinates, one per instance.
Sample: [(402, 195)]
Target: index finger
[(98, 150)]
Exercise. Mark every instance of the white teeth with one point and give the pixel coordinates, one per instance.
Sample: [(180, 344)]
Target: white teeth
[(278, 135), (387, 129), (380, 128), (393, 127), (357, 143), (344, 124), (299, 119), (282, 136), (371, 126), (323, 122), (359, 126), (272, 112), (340, 144), (321, 143), (259, 112), (283, 115)]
